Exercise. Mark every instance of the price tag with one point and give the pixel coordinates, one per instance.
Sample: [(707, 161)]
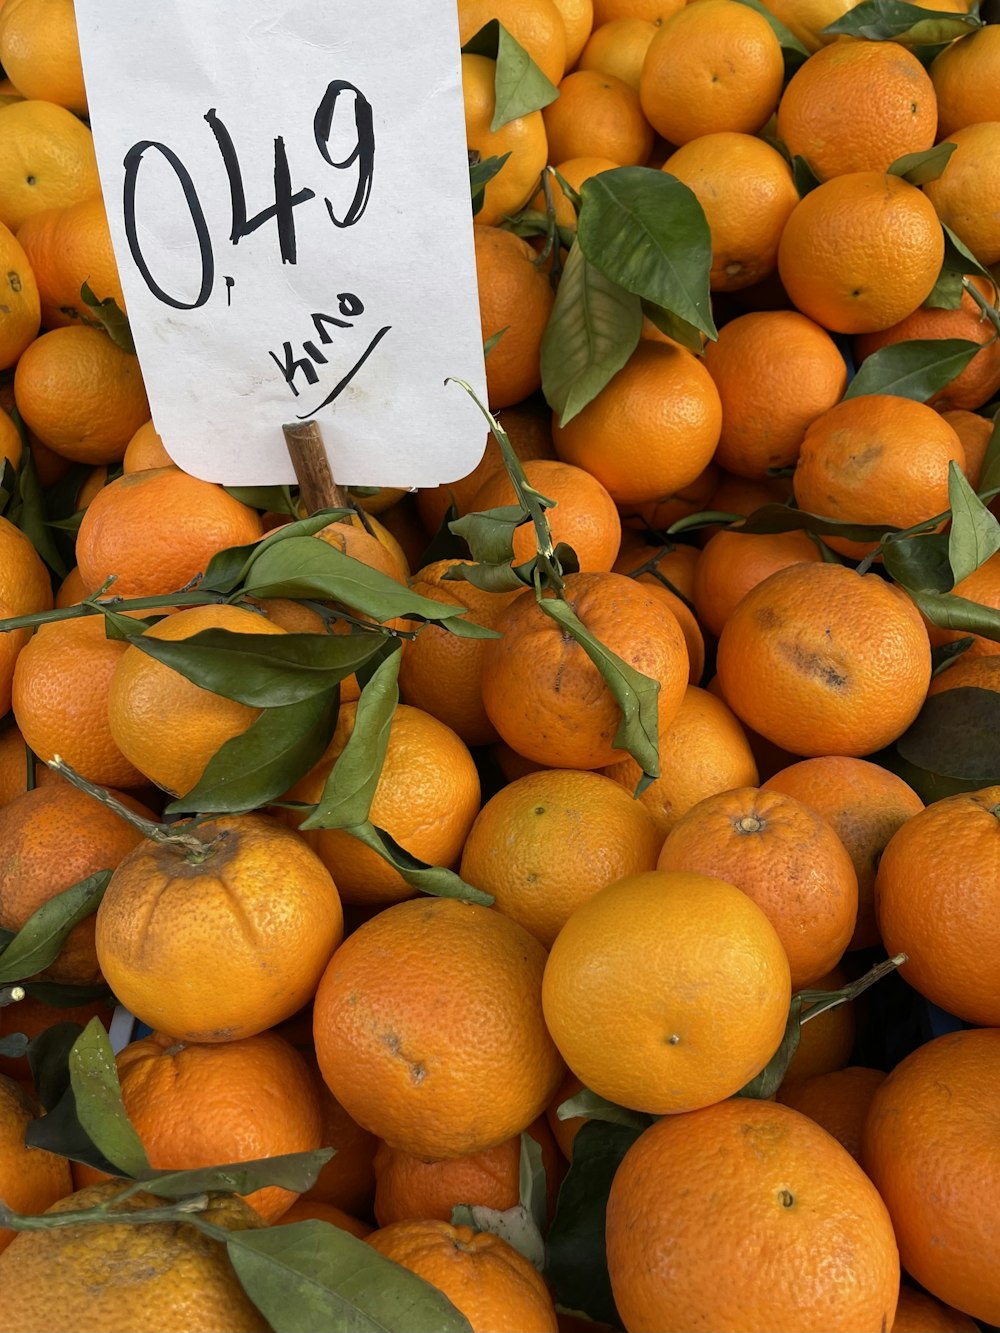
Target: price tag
[(288, 194)]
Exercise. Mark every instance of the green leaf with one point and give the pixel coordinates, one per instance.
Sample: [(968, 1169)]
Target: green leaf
[(593, 1107), (36, 945), (14, 1046), (794, 52), (647, 232), (436, 880), (514, 1225), (48, 1057), (99, 1107), (975, 533), (263, 762), (291, 1171), (892, 20), (989, 479), (227, 568), (780, 518), (946, 294), (803, 176), (110, 317), (769, 1080), (915, 369), (305, 567), (576, 1265), (273, 499), (955, 734), (311, 1277), (29, 513), (634, 693), (481, 172), (532, 1191), (919, 564), (958, 258), (8, 484), (491, 342), (919, 168), (521, 87), (350, 789), (263, 670), (501, 577), (943, 654), (64, 996), (489, 534), (592, 331), (958, 613), (674, 327)]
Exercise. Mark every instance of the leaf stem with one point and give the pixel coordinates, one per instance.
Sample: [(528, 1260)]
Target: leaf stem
[(987, 307), (185, 1210), (195, 848), (11, 995), (831, 999)]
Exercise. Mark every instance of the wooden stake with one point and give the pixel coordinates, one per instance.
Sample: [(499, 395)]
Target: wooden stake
[(304, 441)]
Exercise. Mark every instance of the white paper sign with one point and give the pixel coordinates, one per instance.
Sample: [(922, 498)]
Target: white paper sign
[(288, 194)]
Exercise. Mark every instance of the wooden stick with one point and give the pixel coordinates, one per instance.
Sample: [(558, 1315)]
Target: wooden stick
[(304, 441)]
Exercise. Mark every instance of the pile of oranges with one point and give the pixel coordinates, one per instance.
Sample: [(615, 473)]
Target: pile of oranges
[(603, 984)]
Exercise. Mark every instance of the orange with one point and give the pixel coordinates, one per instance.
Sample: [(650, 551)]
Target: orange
[(917, 1312), (979, 672), (667, 991), (547, 842), (838, 1101), (81, 395), (866, 805), (652, 11), (347, 1180), (861, 252), (876, 459), (826, 1041), (935, 896), (619, 47), (311, 1210), (19, 307), (523, 138), (980, 379), (744, 495), (806, 19), (822, 661), (195, 1105), (431, 1066), (746, 190), (515, 300), (88, 1279), (46, 160), (156, 531), (964, 76), (982, 586), (974, 433), (529, 428), (929, 1146), (544, 695), (145, 450), (776, 371), (651, 430), (60, 699), (164, 724), (31, 1179), (52, 838), (426, 799), (40, 51), (440, 672), (733, 562), (254, 917), (487, 1280), (72, 590), (673, 567), (713, 65), (11, 445), (411, 1188), (68, 247), (14, 766), (578, 20), (965, 192), (24, 589), (704, 750), (823, 1254), (584, 514), (784, 856), (597, 115), (694, 640), (857, 106), (536, 24)]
